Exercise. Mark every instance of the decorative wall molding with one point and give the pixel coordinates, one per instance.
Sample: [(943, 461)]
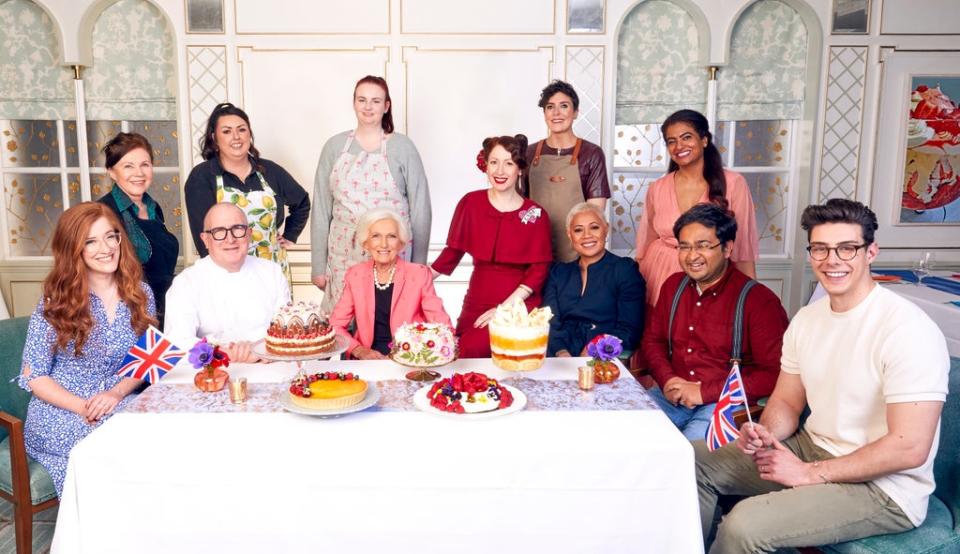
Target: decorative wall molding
[(207, 87), (842, 122), (312, 17), (491, 17), (448, 118), (584, 70), (293, 113)]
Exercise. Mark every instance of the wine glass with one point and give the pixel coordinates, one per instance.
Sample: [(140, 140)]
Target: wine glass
[(923, 266)]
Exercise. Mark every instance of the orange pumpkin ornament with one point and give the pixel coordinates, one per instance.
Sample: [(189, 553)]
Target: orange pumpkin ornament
[(605, 372)]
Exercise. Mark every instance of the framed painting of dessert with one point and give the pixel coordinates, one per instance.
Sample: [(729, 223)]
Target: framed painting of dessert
[(915, 190), (931, 192)]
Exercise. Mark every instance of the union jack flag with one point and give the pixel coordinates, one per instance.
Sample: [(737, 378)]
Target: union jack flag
[(150, 358), (722, 428)]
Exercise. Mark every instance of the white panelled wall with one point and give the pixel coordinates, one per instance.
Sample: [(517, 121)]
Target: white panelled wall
[(460, 71)]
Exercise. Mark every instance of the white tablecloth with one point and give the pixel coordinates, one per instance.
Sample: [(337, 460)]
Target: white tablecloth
[(379, 481), (936, 304)]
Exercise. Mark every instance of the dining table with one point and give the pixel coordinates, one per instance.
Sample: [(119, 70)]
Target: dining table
[(180, 470), (938, 295)]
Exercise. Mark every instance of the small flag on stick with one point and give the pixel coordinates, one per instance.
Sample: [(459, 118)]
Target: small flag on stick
[(722, 428), (150, 358)]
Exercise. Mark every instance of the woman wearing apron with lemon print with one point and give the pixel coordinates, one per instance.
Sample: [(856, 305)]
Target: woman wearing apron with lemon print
[(234, 172), (359, 170), (564, 169)]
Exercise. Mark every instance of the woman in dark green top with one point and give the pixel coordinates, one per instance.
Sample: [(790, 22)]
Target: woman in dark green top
[(130, 165)]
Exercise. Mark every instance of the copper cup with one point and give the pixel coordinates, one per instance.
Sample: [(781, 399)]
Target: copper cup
[(585, 377), (238, 390)]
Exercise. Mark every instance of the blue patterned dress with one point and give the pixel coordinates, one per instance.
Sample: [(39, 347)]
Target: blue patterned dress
[(51, 432)]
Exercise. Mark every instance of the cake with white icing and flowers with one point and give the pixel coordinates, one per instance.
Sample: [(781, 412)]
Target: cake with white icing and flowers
[(424, 345), (518, 339), (300, 329), (469, 393)]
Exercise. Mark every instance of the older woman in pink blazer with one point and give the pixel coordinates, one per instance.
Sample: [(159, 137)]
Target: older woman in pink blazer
[(385, 292)]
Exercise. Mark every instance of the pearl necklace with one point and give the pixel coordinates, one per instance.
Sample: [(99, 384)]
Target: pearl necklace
[(376, 278)]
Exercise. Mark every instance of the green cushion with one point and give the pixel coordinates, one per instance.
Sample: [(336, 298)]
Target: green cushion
[(41, 485), (946, 467), (940, 532), (935, 535), (13, 399)]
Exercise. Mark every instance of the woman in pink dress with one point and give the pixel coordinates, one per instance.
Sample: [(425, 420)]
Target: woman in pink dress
[(695, 175)]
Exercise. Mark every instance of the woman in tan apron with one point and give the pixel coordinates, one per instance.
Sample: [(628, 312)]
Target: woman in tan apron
[(564, 169), (359, 170), (234, 172)]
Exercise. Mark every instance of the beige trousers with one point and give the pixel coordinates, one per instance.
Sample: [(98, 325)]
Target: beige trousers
[(780, 517)]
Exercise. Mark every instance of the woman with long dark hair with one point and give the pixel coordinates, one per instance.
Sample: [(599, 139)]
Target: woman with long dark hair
[(94, 307), (234, 172), (695, 175), (508, 238), (368, 167)]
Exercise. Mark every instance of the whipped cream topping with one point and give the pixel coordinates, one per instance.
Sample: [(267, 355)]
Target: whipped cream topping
[(514, 314)]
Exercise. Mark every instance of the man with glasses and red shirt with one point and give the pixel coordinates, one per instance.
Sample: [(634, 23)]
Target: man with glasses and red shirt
[(228, 296), (872, 369), (690, 359)]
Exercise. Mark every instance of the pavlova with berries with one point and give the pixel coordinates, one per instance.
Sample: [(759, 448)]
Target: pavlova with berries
[(469, 393)]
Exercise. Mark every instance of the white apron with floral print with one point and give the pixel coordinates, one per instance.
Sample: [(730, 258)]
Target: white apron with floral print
[(358, 184), (260, 207)]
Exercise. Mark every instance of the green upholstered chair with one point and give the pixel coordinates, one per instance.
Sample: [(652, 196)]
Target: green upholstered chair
[(940, 532), (23, 482)]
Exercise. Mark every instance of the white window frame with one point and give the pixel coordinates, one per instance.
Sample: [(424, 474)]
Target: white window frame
[(83, 169)]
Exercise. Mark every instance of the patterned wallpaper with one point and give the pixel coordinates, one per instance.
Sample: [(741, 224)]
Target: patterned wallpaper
[(32, 85)]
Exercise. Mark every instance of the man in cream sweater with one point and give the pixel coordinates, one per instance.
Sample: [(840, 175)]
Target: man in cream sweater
[(872, 368)]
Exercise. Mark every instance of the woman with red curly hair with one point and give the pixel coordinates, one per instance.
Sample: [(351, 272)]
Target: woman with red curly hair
[(94, 307), (508, 237)]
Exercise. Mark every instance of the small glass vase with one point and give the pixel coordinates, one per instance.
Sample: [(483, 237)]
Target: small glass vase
[(605, 372), (211, 379)]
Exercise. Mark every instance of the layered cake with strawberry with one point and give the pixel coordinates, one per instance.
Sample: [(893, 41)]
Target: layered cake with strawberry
[(518, 340), (469, 393), (424, 345), (300, 329), (329, 390)]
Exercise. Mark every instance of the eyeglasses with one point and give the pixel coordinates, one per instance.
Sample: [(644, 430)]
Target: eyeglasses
[(111, 240), (699, 248), (238, 231), (845, 252)]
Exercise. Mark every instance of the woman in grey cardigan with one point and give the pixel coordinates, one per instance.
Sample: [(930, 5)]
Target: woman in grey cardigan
[(359, 170)]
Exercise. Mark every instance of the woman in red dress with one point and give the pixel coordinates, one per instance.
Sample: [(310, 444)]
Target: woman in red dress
[(508, 237)]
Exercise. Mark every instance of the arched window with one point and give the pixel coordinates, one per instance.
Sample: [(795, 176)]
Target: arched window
[(759, 101), (36, 96), (130, 86), (659, 71), (760, 97)]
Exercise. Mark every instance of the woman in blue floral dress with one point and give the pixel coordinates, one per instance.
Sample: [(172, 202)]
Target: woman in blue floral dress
[(94, 307)]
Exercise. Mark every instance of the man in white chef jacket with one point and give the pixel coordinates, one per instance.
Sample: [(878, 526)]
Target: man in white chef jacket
[(228, 296)]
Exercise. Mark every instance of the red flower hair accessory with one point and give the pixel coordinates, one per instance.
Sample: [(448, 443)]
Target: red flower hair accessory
[(481, 161)]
